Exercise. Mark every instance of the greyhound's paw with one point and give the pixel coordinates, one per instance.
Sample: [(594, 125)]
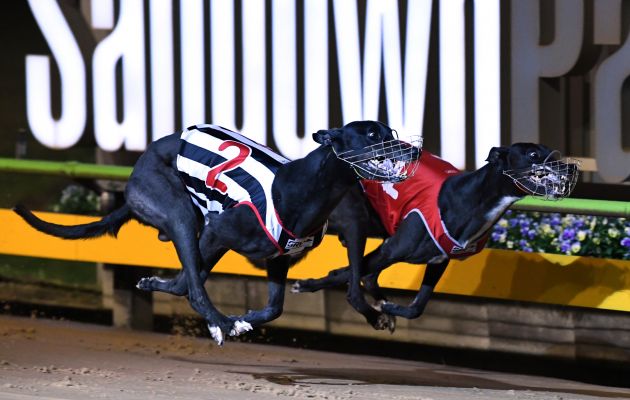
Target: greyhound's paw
[(240, 327), (148, 284), (302, 286), (217, 334), (296, 287), (388, 322), (384, 320)]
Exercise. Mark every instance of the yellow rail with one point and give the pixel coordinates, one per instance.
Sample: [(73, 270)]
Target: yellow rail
[(501, 274)]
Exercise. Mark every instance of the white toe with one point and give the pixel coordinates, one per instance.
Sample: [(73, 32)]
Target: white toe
[(216, 334), (240, 327)]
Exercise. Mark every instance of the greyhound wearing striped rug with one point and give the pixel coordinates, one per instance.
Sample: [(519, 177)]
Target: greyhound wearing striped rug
[(210, 190)]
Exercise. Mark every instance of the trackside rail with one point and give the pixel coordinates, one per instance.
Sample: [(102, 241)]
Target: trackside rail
[(71, 169), (75, 169)]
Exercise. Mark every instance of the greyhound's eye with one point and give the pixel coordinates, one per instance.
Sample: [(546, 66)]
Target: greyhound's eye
[(372, 135), (533, 155)]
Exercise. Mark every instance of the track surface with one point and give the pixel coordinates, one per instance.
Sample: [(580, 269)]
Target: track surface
[(46, 359)]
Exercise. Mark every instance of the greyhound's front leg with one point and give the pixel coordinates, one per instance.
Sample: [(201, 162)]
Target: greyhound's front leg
[(355, 294), (192, 260), (431, 277), (277, 269), (371, 286), (399, 247)]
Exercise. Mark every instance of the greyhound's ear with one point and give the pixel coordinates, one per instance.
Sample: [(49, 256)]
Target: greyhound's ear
[(497, 153), (325, 136)]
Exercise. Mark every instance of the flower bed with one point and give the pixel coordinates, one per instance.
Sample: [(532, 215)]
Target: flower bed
[(570, 234)]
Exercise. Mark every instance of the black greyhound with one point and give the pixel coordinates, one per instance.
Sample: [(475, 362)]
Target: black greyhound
[(468, 204), (303, 193)]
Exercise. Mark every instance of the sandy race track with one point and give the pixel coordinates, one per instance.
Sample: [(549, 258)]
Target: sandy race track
[(48, 359)]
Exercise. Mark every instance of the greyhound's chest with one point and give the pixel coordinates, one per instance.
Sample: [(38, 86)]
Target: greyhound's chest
[(223, 169)]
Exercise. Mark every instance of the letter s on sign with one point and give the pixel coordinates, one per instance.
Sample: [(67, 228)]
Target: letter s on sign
[(66, 131)]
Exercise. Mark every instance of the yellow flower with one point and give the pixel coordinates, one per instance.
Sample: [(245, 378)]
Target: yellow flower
[(510, 244), (575, 247), (581, 235), (503, 223), (613, 232)]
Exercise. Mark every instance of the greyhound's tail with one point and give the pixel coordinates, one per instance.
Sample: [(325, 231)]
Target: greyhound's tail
[(109, 224)]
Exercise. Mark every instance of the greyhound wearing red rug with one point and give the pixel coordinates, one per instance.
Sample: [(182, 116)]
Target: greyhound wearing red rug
[(436, 215)]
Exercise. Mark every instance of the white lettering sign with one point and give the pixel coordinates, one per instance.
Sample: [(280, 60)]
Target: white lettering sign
[(379, 68)]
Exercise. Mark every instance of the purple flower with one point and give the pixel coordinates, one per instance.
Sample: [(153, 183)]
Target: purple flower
[(499, 229), (562, 233), (578, 223), (568, 234)]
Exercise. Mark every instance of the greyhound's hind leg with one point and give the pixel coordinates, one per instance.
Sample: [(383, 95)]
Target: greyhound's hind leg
[(157, 197), (334, 278), (432, 275), (178, 286)]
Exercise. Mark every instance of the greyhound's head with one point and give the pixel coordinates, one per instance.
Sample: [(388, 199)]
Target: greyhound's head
[(373, 150), (536, 169)]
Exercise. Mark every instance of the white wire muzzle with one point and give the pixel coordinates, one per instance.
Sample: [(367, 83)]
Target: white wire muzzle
[(550, 180), (390, 161)]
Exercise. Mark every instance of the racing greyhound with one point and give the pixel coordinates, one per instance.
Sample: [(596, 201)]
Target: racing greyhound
[(434, 216), (246, 198)]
